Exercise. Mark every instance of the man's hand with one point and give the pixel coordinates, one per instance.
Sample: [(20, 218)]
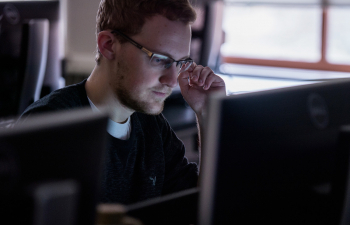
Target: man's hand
[(197, 83)]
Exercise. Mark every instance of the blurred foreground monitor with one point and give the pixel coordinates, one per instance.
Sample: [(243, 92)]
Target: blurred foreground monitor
[(50, 167), (278, 157)]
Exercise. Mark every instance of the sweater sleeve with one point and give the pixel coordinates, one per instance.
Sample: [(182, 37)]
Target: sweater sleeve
[(179, 173)]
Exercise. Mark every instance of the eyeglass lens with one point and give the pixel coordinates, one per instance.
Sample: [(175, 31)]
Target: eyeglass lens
[(164, 62)]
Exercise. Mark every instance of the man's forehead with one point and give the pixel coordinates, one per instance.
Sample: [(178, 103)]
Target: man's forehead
[(165, 37)]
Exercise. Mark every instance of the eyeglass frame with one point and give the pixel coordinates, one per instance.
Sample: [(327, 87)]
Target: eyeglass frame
[(149, 53)]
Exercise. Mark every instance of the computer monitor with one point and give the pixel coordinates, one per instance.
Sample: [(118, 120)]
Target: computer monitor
[(50, 168), (30, 57), (275, 157)]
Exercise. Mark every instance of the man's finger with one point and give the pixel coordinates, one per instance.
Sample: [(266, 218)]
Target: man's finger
[(183, 79)]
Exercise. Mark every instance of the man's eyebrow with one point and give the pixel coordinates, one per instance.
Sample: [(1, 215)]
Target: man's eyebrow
[(182, 58)]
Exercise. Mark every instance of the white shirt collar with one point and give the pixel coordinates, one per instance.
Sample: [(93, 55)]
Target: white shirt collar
[(117, 130)]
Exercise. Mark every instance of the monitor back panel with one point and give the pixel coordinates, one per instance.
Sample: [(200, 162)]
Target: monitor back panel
[(48, 149), (275, 157)]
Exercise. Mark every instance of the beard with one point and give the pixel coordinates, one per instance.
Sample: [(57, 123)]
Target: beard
[(126, 98), (132, 98)]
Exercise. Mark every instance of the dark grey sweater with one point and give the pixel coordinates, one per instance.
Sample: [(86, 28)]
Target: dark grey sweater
[(150, 164)]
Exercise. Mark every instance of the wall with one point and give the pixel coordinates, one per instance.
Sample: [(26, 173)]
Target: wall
[(79, 19)]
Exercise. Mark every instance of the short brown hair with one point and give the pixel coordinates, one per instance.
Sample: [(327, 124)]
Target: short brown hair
[(129, 16)]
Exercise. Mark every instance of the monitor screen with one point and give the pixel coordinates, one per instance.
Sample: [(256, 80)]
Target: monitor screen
[(50, 166), (273, 157)]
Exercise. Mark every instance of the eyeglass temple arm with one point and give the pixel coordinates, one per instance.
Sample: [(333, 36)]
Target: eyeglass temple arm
[(149, 53)]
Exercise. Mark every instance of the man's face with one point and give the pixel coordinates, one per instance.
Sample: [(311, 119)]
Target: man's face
[(137, 84)]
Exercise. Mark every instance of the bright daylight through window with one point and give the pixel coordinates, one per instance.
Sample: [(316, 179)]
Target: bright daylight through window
[(273, 32), (338, 48)]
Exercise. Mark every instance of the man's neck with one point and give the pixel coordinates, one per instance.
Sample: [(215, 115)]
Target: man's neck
[(100, 93)]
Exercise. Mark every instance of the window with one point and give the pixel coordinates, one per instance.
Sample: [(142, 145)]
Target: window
[(338, 48), (273, 32), (294, 36)]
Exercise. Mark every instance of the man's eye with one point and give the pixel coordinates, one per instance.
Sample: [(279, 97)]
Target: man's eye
[(159, 60)]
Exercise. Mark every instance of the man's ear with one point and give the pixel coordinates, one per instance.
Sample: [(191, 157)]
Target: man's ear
[(105, 42)]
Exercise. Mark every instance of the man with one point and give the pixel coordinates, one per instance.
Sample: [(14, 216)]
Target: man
[(143, 52)]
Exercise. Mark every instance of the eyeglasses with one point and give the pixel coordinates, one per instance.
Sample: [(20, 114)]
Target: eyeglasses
[(158, 60)]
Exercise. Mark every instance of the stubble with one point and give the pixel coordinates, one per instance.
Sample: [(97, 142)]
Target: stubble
[(127, 96)]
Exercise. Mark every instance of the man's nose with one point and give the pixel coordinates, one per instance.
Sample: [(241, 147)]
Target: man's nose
[(169, 76)]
